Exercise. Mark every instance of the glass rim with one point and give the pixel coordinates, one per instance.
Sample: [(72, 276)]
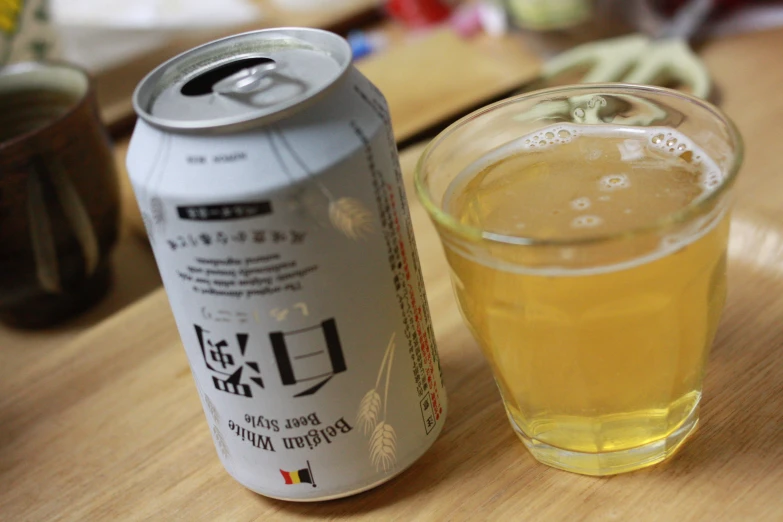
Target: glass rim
[(681, 215)]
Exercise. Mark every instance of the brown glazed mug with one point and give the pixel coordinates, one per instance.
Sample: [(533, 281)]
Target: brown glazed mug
[(59, 195)]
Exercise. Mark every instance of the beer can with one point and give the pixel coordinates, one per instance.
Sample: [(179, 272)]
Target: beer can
[(267, 174)]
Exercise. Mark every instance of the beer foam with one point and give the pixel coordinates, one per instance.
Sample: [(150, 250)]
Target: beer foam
[(631, 150), (544, 139), (550, 136), (676, 144), (665, 140)]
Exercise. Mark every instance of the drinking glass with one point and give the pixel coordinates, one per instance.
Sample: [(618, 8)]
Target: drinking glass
[(598, 343)]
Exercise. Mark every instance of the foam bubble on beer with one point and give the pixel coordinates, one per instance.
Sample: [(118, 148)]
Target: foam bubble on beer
[(678, 145), (586, 222), (631, 150), (581, 203), (549, 137), (614, 182), (668, 141), (562, 197)]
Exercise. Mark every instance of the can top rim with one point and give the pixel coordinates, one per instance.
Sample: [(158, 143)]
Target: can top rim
[(182, 66)]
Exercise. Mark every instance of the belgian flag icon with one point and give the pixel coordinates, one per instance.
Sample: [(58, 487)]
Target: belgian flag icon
[(303, 476)]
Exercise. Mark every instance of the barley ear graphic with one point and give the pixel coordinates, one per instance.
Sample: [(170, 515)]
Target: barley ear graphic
[(221, 442), (383, 447), (158, 212), (383, 442), (351, 217), (383, 439), (348, 215), (369, 409), (212, 409)]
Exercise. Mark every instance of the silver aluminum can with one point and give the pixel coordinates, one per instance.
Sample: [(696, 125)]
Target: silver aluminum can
[(266, 171)]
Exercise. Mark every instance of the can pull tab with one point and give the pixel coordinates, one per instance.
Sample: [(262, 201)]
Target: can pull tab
[(244, 81)]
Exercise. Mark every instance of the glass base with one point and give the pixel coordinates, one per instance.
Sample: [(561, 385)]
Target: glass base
[(611, 462)]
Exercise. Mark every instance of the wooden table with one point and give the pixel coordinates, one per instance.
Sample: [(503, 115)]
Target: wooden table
[(108, 426)]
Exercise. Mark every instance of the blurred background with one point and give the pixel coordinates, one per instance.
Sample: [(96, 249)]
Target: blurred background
[(119, 41), (100, 34)]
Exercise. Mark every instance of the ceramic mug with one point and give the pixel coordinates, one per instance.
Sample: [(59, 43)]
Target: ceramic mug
[(59, 195)]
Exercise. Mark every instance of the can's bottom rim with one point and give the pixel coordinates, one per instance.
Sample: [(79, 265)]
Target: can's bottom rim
[(362, 489)]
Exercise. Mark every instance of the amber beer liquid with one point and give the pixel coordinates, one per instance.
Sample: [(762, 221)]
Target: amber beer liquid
[(589, 261), (267, 175), (641, 331)]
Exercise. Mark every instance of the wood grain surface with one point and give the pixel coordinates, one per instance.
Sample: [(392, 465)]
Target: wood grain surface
[(109, 427)]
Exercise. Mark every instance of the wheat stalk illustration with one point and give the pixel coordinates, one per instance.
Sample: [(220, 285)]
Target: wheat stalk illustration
[(383, 442), (383, 447), (212, 409), (154, 213), (159, 169), (221, 442), (158, 212), (347, 215), (351, 217), (369, 409), (370, 406), (383, 439)]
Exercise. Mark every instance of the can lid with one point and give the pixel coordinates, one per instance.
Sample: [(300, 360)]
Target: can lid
[(242, 81)]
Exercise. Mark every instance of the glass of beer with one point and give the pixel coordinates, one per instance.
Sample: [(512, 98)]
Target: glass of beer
[(586, 228)]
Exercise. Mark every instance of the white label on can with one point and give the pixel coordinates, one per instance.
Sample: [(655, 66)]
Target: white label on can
[(302, 309)]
